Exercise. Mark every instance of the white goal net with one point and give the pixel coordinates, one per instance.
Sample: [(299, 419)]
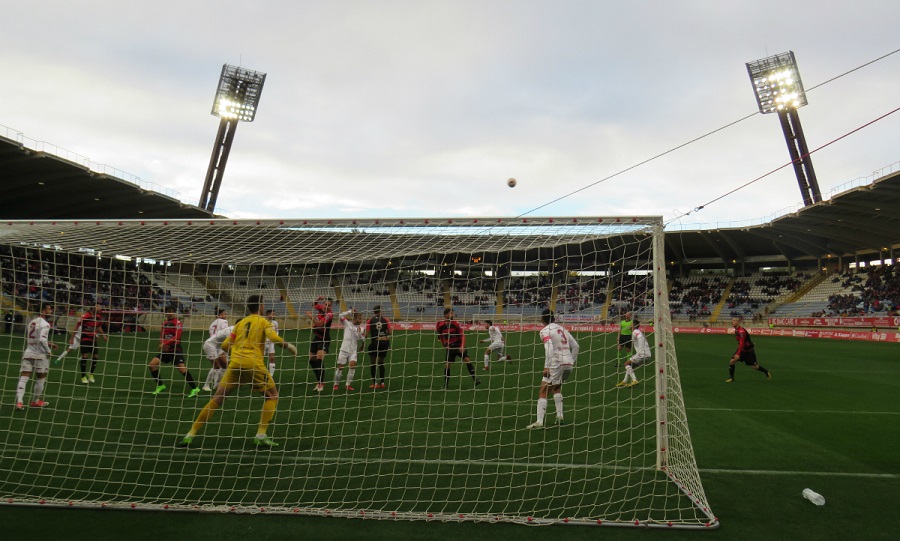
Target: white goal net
[(398, 436)]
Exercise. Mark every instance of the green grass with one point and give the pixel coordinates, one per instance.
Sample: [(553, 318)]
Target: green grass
[(823, 422)]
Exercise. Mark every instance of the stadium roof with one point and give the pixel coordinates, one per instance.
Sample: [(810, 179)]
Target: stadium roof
[(863, 220)]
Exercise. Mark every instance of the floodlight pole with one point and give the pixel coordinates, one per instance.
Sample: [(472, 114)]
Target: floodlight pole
[(800, 158), (217, 163), (237, 98)]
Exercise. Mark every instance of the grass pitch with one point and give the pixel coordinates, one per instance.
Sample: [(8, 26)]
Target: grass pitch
[(824, 421)]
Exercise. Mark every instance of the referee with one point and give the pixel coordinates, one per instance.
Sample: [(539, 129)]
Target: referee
[(625, 328)]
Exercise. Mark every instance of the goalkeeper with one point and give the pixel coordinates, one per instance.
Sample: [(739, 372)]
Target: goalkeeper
[(246, 366)]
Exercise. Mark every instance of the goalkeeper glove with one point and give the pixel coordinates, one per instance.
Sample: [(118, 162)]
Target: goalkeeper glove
[(292, 348)]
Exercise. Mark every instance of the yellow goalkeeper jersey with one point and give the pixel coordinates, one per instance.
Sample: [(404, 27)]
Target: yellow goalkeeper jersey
[(248, 339)]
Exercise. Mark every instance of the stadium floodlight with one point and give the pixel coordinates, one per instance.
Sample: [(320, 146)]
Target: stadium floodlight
[(779, 89), (237, 99), (777, 84)]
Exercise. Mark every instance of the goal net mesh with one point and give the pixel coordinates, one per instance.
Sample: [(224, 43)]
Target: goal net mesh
[(408, 450)]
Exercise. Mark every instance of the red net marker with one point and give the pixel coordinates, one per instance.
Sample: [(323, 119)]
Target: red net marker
[(166, 506), (134, 506), (71, 504), (103, 504), (393, 513), (42, 502), (295, 510), (462, 515), (566, 520), (262, 509), (430, 515), (599, 521), (637, 522), (669, 524), (530, 519)]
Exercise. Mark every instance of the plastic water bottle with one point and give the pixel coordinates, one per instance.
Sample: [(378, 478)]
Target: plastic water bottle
[(813, 496)]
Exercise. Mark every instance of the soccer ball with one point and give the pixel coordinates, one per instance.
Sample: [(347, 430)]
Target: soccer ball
[(511, 183)]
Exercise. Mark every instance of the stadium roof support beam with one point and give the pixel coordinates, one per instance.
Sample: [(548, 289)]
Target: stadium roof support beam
[(839, 233), (716, 246)]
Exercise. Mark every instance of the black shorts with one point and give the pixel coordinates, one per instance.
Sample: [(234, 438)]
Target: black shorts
[(176, 357), (379, 347), (453, 353), (88, 348), (625, 341), (748, 357), (319, 345)]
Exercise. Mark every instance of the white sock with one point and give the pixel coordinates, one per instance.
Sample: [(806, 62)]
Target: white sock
[(211, 377), (219, 373), (487, 360), (541, 409), (350, 373), (20, 389), (63, 354), (337, 375), (629, 373), (557, 399), (38, 390), (272, 369)]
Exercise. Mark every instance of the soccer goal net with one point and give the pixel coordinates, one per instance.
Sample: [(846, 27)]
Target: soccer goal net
[(403, 438)]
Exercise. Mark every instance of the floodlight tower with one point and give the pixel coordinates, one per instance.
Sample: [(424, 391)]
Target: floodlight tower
[(236, 100), (778, 89)]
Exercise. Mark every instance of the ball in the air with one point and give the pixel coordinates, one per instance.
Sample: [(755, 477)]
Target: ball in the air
[(511, 183)]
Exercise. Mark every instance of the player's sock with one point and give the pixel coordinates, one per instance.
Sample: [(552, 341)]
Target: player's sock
[(471, 370), (265, 417), (210, 378), (63, 354), (190, 380), (337, 375), (205, 414), (350, 373), (381, 372), (38, 390), (83, 367), (219, 373), (20, 389), (541, 409), (271, 369), (629, 373), (558, 401), (155, 375), (487, 360), (317, 369), (373, 369), (731, 371), (764, 371), (93, 366)]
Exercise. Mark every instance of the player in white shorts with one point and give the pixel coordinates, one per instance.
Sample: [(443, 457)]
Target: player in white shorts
[(560, 353), (36, 359), (214, 352), (641, 355), (496, 345), (270, 346), (74, 344), (212, 347), (354, 335)]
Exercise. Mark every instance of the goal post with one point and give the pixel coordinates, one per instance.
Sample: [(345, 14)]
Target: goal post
[(404, 438)]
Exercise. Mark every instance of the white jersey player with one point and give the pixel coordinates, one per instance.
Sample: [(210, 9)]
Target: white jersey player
[(354, 335), (641, 355), (560, 353), (36, 359), (213, 351), (74, 344), (270, 346), (496, 344)]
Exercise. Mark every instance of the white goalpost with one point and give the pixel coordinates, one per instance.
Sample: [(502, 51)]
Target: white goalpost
[(398, 437)]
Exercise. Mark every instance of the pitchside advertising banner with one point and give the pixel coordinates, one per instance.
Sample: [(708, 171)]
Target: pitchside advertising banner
[(871, 322), (891, 336)]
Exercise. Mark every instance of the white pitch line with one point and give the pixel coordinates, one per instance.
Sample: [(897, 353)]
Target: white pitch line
[(498, 464), (824, 412)]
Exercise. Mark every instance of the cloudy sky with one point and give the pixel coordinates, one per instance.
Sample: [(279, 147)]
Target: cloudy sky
[(425, 108)]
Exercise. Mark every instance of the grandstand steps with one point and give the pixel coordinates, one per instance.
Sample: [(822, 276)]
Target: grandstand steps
[(500, 296), (714, 316), (395, 302), (213, 288), (604, 312), (554, 295), (795, 296), (282, 290)]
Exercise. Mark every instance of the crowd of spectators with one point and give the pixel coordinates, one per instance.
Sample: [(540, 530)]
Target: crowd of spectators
[(873, 292)]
